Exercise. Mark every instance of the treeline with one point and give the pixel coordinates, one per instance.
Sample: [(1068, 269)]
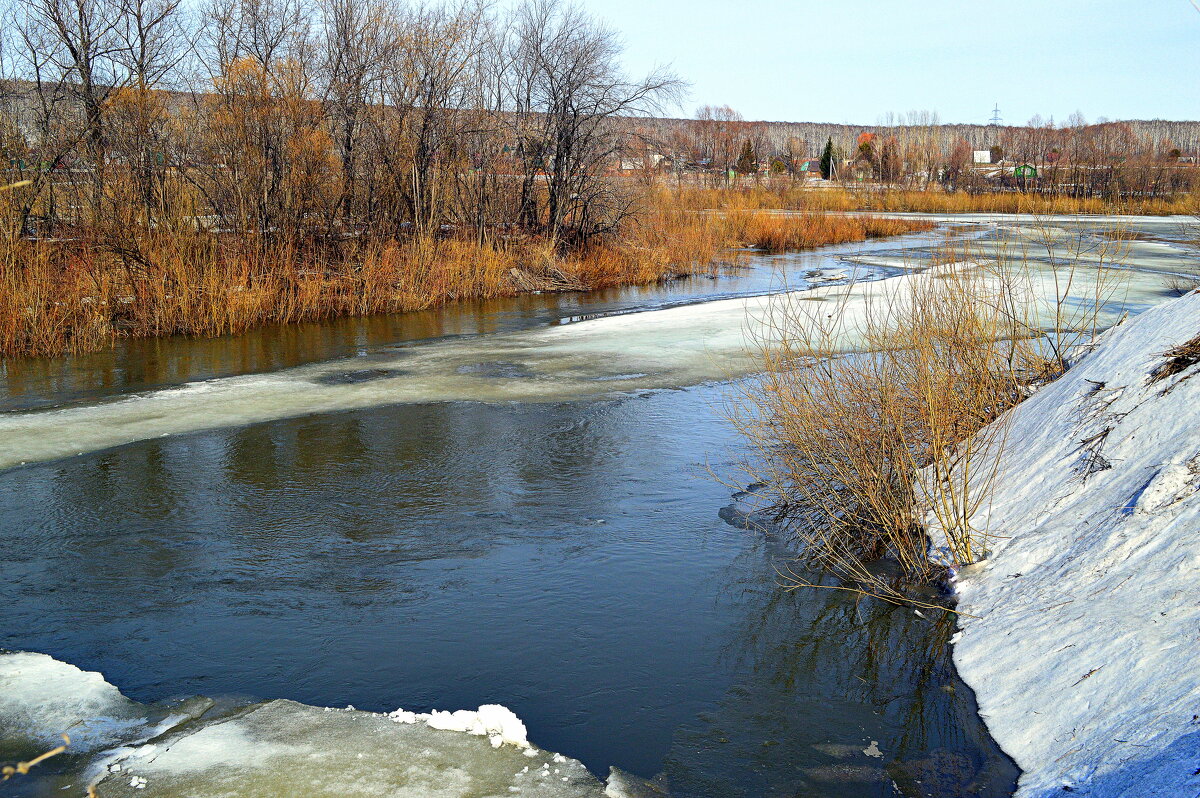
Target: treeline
[(808, 138), (285, 119), (1107, 159)]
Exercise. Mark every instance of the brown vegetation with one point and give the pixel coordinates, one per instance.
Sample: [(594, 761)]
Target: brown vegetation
[(840, 438), (1177, 360), (23, 768), (875, 414), (776, 232), (790, 195), (1114, 161), (204, 170), (379, 158), (79, 294)]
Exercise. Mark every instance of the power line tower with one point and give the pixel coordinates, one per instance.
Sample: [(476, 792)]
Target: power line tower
[(996, 120)]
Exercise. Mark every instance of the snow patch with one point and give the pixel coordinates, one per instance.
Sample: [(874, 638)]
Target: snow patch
[(42, 698), (499, 724), (273, 748)]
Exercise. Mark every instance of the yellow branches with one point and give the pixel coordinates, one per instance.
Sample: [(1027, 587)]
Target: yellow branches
[(22, 768)]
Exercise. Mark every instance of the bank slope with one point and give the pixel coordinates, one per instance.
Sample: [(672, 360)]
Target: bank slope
[(1085, 648)]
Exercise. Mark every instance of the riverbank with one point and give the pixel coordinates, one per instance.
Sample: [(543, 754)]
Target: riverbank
[(1078, 629), (820, 195), (457, 553), (448, 554), (83, 293)]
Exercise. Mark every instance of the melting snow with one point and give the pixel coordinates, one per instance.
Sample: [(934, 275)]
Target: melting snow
[(499, 724), (281, 748)]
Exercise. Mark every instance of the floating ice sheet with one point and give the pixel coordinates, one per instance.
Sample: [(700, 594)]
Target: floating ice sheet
[(665, 348)]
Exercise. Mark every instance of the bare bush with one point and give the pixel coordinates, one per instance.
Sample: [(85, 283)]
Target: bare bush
[(879, 408)]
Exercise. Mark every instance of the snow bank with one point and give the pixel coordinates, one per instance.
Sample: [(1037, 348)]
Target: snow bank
[(1083, 648)]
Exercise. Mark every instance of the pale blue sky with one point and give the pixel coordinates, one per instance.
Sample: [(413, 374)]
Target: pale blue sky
[(836, 61)]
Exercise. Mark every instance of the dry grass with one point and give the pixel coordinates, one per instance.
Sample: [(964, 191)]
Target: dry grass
[(840, 438), (23, 768), (80, 294), (1181, 284), (1177, 360), (795, 196), (777, 232), (878, 410)]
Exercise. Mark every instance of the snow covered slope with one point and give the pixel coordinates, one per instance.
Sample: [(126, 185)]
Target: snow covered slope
[(1085, 652)]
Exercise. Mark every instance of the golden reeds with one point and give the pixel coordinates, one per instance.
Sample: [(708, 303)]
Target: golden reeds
[(875, 412), (798, 196), (79, 294)]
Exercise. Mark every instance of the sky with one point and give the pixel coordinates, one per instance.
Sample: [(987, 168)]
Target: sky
[(852, 62)]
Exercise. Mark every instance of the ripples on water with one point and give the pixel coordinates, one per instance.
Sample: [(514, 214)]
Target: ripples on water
[(564, 559)]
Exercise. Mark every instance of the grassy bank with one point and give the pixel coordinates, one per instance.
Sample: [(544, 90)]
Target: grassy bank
[(796, 196), (81, 292)]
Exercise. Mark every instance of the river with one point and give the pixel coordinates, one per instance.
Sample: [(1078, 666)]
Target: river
[(507, 502)]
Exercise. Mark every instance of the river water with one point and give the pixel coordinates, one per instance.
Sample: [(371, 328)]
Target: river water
[(510, 502)]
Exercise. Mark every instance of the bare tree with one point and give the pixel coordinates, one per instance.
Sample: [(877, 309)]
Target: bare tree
[(568, 92), (151, 40), (356, 40), (432, 82), (267, 31), (74, 43)]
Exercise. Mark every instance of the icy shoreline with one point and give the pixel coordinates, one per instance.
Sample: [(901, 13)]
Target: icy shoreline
[(1079, 631), (273, 748)]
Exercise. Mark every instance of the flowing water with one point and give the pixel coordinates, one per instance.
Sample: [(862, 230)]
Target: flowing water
[(509, 502)]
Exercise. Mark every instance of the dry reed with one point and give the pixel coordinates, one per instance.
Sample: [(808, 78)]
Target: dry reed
[(798, 196), (878, 409), (80, 294)]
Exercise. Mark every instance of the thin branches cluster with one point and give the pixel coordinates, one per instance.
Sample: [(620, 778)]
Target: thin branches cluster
[(279, 118), (876, 422)]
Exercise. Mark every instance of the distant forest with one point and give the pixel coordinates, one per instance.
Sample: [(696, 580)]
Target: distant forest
[(807, 139)]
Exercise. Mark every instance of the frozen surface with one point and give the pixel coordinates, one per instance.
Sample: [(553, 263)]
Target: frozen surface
[(41, 698), (598, 357), (1081, 638), (284, 748), (657, 349), (275, 748)]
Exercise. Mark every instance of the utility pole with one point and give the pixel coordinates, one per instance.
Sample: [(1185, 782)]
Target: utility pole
[(996, 120)]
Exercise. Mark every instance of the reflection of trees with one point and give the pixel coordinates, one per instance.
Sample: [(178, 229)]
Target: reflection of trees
[(831, 669), (139, 364), (276, 502)]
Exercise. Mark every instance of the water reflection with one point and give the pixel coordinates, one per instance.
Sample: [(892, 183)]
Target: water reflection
[(564, 559), (870, 709), (147, 364)]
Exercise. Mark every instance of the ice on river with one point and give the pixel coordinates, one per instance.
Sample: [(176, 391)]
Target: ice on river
[(665, 348), (41, 698), (284, 748), (273, 748)]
